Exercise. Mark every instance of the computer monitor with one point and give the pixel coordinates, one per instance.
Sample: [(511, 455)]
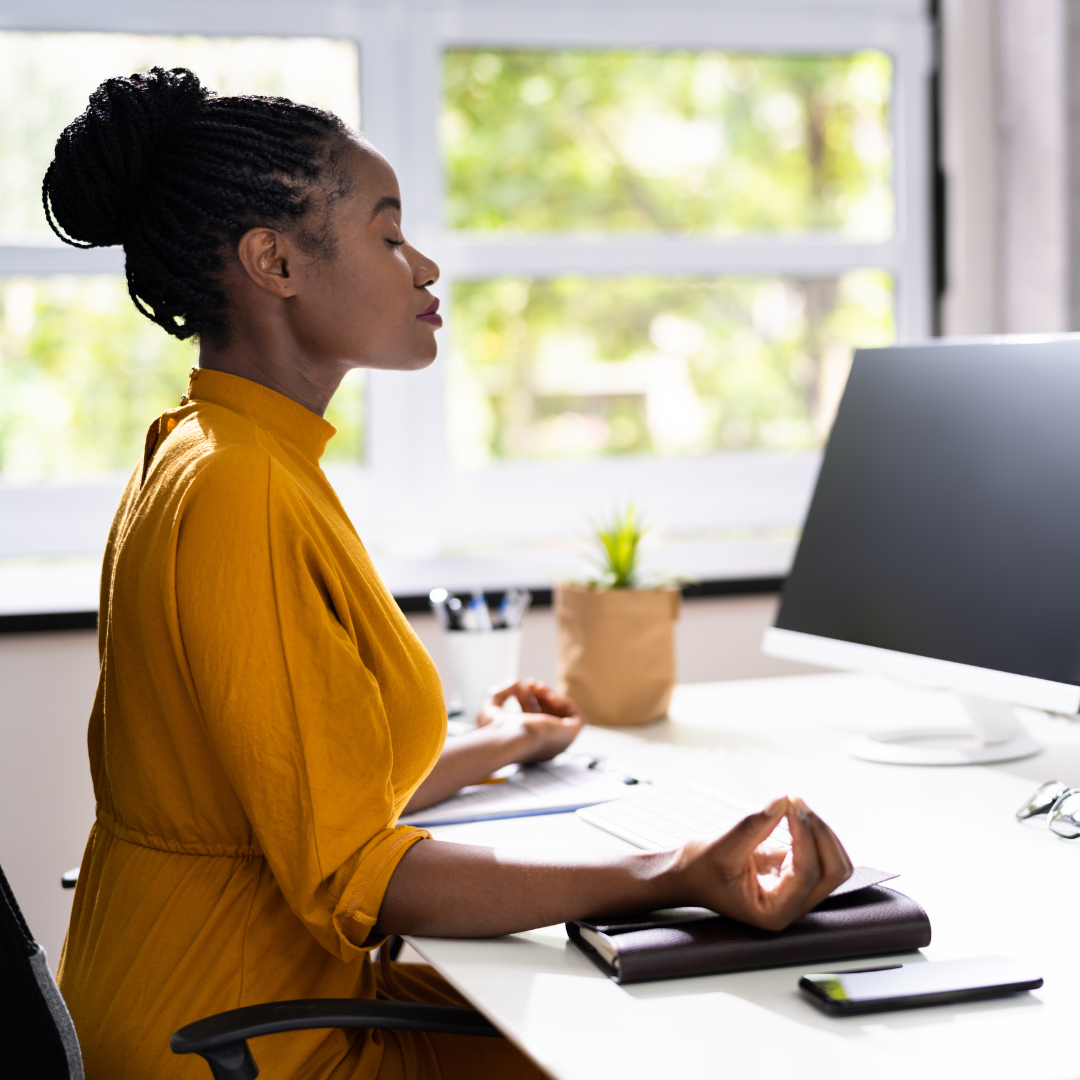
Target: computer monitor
[(942, 545)]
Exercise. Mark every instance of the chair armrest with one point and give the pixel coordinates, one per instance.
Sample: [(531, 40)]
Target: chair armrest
[(222, 1039)]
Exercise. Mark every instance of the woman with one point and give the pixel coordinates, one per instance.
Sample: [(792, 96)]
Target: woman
[(264, 712)]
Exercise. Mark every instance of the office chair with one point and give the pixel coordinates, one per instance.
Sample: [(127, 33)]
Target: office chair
[(37, 1037)]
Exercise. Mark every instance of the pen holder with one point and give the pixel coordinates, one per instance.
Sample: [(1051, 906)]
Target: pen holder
[(478, 660)]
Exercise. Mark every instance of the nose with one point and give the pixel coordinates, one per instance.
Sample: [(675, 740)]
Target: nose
[(425, 271)]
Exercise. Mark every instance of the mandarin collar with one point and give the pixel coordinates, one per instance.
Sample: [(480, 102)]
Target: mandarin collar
[(279, 414)]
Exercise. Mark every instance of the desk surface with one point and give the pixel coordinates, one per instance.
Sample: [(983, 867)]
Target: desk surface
[(989, 884)]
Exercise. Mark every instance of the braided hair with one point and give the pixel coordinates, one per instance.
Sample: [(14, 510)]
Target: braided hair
[(177, 175)]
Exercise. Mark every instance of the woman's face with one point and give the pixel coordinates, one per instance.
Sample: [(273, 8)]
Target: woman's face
[(367, 304)]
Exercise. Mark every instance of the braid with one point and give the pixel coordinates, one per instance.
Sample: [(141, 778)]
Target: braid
[(177, 175)]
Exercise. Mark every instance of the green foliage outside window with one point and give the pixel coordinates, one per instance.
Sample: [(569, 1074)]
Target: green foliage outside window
[(678, 142), (83, 374), (583, 366)]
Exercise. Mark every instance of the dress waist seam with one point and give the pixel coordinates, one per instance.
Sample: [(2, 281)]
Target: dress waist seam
[(173, 847)]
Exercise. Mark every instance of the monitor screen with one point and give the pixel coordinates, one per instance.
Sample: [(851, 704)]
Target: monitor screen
[(946, 519)]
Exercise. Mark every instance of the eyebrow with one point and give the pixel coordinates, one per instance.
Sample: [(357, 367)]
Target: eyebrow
[(386, 202)]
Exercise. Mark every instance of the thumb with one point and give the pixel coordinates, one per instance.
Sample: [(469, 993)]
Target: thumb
[(754, 829)]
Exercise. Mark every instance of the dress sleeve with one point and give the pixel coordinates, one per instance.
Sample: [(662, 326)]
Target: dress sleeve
[(296, 718)]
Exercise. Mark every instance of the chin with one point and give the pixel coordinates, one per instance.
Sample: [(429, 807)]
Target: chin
[(416, 361), (415, 358), (413, 363)]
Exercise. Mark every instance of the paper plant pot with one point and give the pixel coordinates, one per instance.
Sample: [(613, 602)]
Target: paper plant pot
[(617, 651)]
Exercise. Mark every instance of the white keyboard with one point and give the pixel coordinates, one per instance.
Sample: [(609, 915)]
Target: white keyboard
[(658, 818)]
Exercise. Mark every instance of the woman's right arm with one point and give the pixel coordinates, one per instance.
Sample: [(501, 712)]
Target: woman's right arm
[(453, 890)]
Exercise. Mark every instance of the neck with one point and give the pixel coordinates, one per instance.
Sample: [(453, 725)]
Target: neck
[(271, 357)]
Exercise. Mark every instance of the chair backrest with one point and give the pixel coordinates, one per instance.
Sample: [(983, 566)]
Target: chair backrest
[(37, 1037)]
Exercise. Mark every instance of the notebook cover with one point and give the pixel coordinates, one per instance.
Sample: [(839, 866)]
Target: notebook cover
[(872, 921)]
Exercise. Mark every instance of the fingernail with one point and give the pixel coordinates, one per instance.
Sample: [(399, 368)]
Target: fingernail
[(775, 806)]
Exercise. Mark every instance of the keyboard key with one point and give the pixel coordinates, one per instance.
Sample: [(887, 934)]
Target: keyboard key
[(659, 818)]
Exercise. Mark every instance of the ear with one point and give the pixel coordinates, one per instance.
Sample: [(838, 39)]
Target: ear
[(265, 255)]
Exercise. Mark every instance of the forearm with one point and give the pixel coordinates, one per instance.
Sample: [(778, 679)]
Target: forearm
[(455, 890), (466, 759)]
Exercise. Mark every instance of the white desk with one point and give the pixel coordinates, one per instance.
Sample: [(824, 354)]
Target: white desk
[(989, 885)]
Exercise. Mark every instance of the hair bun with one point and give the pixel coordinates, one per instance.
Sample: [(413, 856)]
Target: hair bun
[(103, 156)]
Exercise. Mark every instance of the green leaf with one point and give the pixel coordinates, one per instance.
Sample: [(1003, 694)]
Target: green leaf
[(620, 550)]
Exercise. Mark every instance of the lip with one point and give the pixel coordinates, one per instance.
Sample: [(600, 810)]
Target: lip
[(430, 314)]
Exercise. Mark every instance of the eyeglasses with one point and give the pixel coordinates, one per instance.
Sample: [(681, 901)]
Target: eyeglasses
[(1060, 803)]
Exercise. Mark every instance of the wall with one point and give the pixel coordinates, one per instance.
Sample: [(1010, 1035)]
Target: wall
[(47, 687), (46, 803)]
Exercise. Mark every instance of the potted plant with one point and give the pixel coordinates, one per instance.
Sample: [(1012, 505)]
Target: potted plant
[(616, 633)]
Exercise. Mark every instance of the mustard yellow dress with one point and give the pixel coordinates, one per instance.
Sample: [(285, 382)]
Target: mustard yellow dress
[(264, 713)]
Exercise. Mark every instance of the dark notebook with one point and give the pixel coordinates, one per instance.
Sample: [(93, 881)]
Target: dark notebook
[(862, 918)]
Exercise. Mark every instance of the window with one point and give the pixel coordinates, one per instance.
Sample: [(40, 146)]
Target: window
[(53, 74), (82, 373), (618, 142), (577, 367), (662, 232), (708, 142)]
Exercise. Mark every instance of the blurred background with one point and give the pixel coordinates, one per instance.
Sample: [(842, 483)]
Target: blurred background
[(663, 230), (662, 235)]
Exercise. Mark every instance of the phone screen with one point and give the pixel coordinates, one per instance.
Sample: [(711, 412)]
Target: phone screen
[(909, 985)]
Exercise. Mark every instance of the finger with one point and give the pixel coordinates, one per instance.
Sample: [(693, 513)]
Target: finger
[(768, 859), (805, 871), (741, 840), (836, 866), (557, 704), (528, 700), (768, 869), (498, 695)]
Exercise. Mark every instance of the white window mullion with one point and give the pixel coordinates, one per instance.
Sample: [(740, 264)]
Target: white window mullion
[(405, 443), (33, 260), (539, 256)]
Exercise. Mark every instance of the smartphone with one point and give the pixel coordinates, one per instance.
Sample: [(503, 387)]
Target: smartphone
[(909, 986)]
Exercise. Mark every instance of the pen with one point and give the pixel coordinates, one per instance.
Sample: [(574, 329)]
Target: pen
[(455, 612), (478, 609), (504, 607), (513, 607)]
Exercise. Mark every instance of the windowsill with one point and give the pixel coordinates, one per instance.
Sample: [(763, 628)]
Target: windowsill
[(29, 623), (42, 593)]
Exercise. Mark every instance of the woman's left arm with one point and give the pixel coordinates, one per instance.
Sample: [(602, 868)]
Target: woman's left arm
[(546, 726)]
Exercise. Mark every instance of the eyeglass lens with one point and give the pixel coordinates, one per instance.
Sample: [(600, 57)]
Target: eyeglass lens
[(1064, 817), (1043, 800)]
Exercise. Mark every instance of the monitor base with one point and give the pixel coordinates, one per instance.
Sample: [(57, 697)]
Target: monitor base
[(995, 735), (895, 748)]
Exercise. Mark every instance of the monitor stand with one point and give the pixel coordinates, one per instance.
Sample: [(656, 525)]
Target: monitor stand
[(996, 734)]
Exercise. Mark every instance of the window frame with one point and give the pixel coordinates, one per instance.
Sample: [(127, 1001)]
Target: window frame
[(732, 514)]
